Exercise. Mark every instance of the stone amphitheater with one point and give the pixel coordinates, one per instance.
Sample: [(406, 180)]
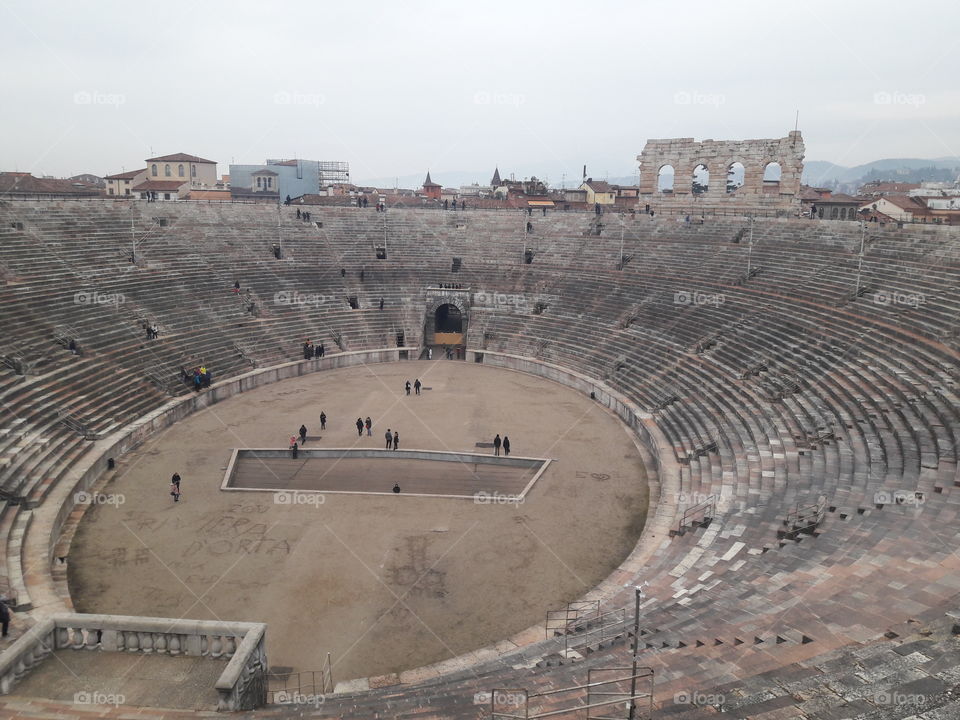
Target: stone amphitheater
[(792, 385)]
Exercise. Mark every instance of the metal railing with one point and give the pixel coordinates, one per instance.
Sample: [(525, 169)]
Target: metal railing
[(284, 688), (582, 623), (630, 689)]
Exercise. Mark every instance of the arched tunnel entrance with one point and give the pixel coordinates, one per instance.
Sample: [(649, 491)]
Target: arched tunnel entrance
[(448, 319), (446, 328)]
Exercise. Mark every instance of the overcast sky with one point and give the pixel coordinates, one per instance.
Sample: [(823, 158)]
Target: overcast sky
[(537, 88)]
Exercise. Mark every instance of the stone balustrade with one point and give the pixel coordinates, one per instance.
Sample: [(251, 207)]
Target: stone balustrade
[(241, 686)]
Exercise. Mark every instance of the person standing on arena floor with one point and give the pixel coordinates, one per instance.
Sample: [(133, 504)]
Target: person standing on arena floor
[(407, 386), (303, 434), (5, 610), (496, 444), (293, 446), (323, 420), (175, 491), (369, 424), (396, 439), (389, 437), (417, 385), (506, 445), (359, 427)]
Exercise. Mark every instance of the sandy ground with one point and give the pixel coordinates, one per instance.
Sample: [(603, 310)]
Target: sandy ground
[(383, 583)]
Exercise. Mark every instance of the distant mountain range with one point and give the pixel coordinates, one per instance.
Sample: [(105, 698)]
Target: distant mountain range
[(821, 172)]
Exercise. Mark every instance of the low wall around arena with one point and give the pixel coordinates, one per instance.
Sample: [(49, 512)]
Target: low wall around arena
[(664, 480), (41, 545)]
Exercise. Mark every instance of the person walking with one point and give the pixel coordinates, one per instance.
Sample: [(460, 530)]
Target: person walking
[(369, 425), (323, 420), (506, 445), (389, 437), (359, 427), (396, 439), (496, 444), (175, 480), (175, 491), (303, 434), (407, 386), (416, 386)]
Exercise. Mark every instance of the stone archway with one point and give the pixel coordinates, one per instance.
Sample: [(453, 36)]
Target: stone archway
[(446, 321)]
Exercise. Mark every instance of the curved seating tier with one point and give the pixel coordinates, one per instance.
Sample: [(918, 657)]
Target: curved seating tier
[(809, 392)]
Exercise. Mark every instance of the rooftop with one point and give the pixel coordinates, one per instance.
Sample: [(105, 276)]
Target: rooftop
[(180, 157)]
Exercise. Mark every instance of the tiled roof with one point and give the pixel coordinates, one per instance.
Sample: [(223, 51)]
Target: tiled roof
[(129, 175), (20, 182), (599, 185), (180, 157)]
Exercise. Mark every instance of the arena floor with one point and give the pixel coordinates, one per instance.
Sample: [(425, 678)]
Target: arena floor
[(382, 583)]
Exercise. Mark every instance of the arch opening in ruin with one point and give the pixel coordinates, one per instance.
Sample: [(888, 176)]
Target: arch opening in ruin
[(736, 175), (701, 180), (665, 177), (772, 173)]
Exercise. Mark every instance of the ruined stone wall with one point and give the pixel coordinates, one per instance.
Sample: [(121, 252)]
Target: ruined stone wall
[(685, 154)]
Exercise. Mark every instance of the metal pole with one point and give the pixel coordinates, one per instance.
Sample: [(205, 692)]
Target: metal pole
[(279, 234), (636, 648), (523, 254), (133, 242), (863, 232), (621, 242), (750, 248)]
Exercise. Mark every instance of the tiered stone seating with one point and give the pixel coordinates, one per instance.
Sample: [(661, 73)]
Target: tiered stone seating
[(823, 425)]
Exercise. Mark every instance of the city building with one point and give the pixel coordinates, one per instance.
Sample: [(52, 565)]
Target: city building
[(287, 178), (599, 192), (431, 189), (122, 184)]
